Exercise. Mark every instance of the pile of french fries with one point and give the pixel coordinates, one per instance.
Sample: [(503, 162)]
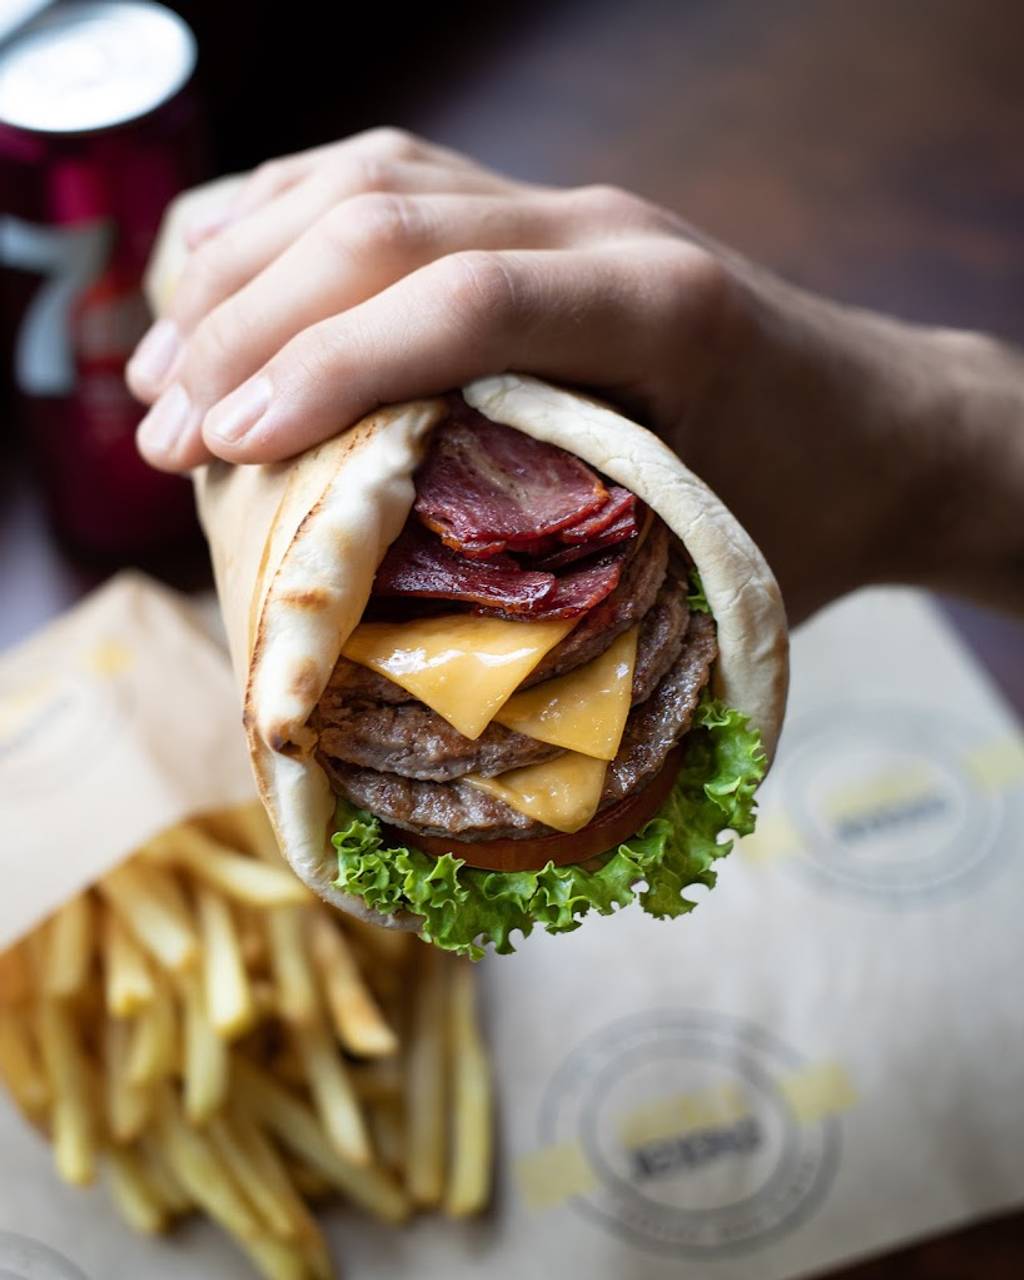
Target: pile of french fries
[(203, 1032)]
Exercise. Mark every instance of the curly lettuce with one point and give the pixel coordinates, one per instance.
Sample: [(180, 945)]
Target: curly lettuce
[(697, 600), (463, 909)]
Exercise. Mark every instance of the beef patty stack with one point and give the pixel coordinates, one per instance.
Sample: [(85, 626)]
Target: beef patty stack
[(517, 545)]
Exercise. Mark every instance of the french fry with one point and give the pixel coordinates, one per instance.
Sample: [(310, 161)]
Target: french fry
[(71, 1113), (264, 998), (161, 1177), (357, 1017), (134, 1195), (297, 1000), (390, 947), (154, 1053), (381, 1080), (307, 1181), (129, 984), (387, 1125), (15, 977), (127, 1105), (287, 1065), (318, 1257), (229, 999), (20, 1067), (252, 937), (469, 1175), (255, 1171), (276, 1260), (68, 948), (148, 901), (333, 1095), (239, 876), (34, 950), (203, 1175), (206, 1064), (246, 827), (296, 1127), (262, 1174), (425, 1083)]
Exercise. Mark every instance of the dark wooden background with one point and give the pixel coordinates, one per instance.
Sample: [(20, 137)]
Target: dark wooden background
[(870, 149)]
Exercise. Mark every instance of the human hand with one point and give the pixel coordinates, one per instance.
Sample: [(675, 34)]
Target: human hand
[(382, 268)]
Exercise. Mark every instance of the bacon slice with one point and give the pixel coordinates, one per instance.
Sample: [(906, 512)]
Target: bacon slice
[(578, 591), (623, 530), (418, 564), (486, 488), (621, 504), (620, 518)]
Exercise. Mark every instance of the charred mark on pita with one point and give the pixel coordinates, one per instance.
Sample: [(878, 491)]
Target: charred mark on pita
[(312, 599)]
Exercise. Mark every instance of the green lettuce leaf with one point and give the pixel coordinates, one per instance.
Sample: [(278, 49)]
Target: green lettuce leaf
[(464, 909), (697, 600)]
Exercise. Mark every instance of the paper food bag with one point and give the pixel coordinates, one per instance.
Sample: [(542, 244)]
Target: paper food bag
[(826, 1059), (116, 722)]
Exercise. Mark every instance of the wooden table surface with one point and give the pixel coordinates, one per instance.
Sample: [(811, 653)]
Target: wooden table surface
[(871, 150)]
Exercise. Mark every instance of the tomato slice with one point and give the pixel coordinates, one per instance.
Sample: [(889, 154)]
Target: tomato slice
[(608, 830)]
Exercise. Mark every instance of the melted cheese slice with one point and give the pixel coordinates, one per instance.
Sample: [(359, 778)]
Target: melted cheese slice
[(583, 711), (461, 666), (563, 793)]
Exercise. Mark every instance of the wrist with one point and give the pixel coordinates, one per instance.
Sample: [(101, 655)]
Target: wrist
[(976, 496)]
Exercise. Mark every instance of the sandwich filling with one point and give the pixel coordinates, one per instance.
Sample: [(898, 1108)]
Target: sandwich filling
[(535, 655)]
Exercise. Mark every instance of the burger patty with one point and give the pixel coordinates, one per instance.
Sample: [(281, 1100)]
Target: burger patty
[(410, 739), (460, 810), (638, 587)]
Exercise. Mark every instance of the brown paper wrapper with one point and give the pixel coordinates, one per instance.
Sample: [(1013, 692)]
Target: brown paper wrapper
[(116, 722), (822, 1062)]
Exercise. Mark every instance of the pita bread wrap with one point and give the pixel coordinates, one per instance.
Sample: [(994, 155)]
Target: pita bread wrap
[(296, 545)]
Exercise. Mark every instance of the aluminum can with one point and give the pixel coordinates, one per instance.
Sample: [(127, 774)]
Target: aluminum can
[(98, 130)]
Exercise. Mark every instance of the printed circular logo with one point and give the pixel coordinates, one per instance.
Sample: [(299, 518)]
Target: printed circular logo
[(689, 1133), (22, 1258), (892, 802)]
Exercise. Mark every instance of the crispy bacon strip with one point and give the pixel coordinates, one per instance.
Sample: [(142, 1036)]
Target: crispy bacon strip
[(620, 506), (623, 530), (486, 488), (419, 564), (578, 591)]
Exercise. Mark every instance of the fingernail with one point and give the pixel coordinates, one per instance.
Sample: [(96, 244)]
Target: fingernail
[(239, 412), (165, 424), (153, 357)]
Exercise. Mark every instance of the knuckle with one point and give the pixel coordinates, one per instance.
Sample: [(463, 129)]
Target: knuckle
[(366, 173), (375, 222), (212, 347), (209, 274), (700, 274), (391, 142), (268, 176), (309, 359), (615, 203), (480, 283), (702, 297)]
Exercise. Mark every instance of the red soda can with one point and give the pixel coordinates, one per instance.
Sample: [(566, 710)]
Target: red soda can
[(98, 130)]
